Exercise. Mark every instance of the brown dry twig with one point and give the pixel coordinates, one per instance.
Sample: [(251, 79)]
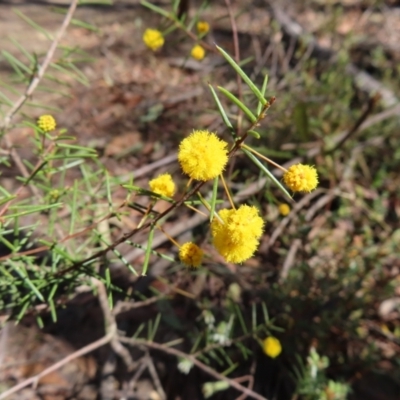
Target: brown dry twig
[(180, 354)]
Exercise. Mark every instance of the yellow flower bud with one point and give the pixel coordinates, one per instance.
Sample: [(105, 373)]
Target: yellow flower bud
[(191, 254), (198, 52), (203, 27), (272, 347), (163, 185), (153, 39), (284, 209), (301, 178), (46, 123)]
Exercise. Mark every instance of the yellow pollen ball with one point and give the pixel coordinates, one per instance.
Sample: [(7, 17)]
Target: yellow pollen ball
[(46, 123), (203, 27), (284, 209), (163, 185), (202, 155), (191, 254), (272, 347), (198, 52), (236, 238), (301, 178), (153, 39)]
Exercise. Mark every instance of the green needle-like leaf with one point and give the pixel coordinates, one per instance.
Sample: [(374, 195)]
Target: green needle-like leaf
[(33, 24), (155, 8), (263, 90), (241, 73), (236, 101), (222, 111), (148, 250), (266, 171)]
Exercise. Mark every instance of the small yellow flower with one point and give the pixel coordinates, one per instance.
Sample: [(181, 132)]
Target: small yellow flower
[(272, 347), (236, 238), (153, 39), (191, 254), (284, 209), (301, 178), (202, 155), (203, 27), (198, 52), (46, 123), (163, 185)]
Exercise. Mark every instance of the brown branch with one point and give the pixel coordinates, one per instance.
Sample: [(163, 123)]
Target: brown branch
[(111, 327), (180, 354)]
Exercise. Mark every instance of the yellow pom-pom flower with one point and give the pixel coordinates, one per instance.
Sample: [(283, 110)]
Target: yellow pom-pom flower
[(301, 178), (272, 347), (163, 185), (236, 237), (191, 254), (284, 209), (46, 123), (153, 39), (202, 155), (203, 27), (198, 52)]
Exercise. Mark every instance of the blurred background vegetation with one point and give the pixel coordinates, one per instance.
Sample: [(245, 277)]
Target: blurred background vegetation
[(326, 278)]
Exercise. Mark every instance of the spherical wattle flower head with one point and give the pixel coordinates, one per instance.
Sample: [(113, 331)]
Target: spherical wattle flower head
[(198, 52), (191, 254), (153, 39), (203, 27), (301, 178), (202, 155), (163, 185), (272, 347), (284, 209), (234, 252), (236, 237), (46, 123)]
